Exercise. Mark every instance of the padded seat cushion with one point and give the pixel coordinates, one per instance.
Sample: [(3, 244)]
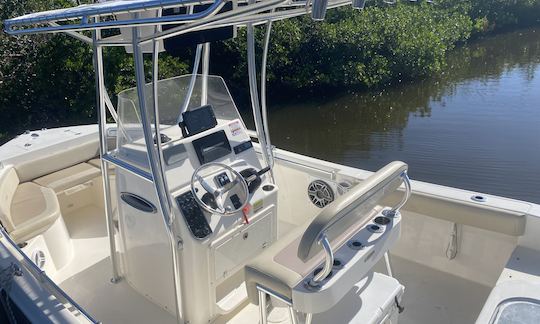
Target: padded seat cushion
[(266, 271), (33, 209), (70, 177), (279, 267), (97, 163)]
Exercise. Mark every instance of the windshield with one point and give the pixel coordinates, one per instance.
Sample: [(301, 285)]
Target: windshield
[(173, 97)]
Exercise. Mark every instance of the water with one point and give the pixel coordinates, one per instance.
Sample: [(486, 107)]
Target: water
[(476, 126)]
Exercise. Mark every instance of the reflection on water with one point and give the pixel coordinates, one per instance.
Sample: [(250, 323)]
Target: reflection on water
[(477, 126)]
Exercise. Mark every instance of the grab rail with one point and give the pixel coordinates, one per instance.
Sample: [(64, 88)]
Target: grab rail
[(42, 277), (329, 217)]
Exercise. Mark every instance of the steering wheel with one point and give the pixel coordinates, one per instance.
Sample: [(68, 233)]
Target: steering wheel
[(229, 193)]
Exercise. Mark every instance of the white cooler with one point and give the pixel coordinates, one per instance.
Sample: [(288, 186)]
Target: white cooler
[(370, 301)]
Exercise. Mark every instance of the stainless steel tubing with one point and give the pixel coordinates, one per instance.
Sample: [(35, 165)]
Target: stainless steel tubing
[(128, 167), (103, 150), (252, 74), (205, 69), (328, 262), (214, 20), (263, 316), (157, 175), (196, 63), (268, 147), (214, 8), (388, 264), (408, 190)]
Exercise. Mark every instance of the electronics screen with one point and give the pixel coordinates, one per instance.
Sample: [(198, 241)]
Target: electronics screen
[(212, 147), (199, 120)]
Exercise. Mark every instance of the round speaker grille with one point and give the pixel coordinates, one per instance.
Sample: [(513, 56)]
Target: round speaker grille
[(320, 193)]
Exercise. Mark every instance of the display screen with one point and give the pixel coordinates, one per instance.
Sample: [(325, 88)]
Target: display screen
[(212, 147), (199, 120)]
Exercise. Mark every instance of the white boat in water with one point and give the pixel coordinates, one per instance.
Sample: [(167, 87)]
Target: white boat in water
[(177, 213)]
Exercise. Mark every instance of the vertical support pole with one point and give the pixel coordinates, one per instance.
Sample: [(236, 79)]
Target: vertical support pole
[(253, 91), (309, 318), (262, 307), (263, 98), (205, 70), (102, 120), (187, 99), (292, 315), (157, 175), (388, 265)]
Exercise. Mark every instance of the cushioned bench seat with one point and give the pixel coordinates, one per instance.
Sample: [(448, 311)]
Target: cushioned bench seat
[(33, 209), (69, 177), (266, 271), (26, 209), (97, 163)]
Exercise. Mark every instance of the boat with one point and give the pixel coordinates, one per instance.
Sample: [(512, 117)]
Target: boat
[(171, 210)]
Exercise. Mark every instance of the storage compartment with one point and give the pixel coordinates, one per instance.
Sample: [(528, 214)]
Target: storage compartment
[(231, 252)]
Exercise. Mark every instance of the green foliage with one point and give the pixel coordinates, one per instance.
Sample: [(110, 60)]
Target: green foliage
[(47, 81)]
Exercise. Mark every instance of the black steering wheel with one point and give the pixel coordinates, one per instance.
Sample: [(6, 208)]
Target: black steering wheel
[(224, 190)]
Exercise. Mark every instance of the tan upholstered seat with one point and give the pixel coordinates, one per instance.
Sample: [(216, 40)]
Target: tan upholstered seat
[(97, 163), (70, 177), (266, 271), (28, 209)]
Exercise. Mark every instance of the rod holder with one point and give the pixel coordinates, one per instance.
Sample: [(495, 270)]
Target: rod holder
[(358, 4), (318, 9), (408, 190)]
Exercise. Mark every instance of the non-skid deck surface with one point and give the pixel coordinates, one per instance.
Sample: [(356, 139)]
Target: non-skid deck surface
[(112, 303), (87, 278), (431, 297)]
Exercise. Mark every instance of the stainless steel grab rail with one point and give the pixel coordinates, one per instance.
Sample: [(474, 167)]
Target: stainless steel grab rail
[(328, 262), (42, 277), (408, 191), (329, 254)]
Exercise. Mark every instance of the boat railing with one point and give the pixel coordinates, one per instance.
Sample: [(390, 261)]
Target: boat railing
[(76, 19), (44, 280)]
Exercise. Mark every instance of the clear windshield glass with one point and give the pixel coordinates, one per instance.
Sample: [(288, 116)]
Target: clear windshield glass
[(173, 96)]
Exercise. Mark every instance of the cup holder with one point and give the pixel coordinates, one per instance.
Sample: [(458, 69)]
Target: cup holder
[(355, 245), (382, 220), (268, 187)]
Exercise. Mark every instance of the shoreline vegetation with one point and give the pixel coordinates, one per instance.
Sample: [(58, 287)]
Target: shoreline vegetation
[(48, 80)]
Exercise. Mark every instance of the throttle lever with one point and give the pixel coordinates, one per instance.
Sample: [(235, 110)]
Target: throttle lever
[(253, 177), (263, 171)]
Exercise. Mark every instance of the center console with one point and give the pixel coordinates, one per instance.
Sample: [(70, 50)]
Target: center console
[(214, 247)]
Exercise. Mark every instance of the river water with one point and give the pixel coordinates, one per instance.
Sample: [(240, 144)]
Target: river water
[(476, 126)]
